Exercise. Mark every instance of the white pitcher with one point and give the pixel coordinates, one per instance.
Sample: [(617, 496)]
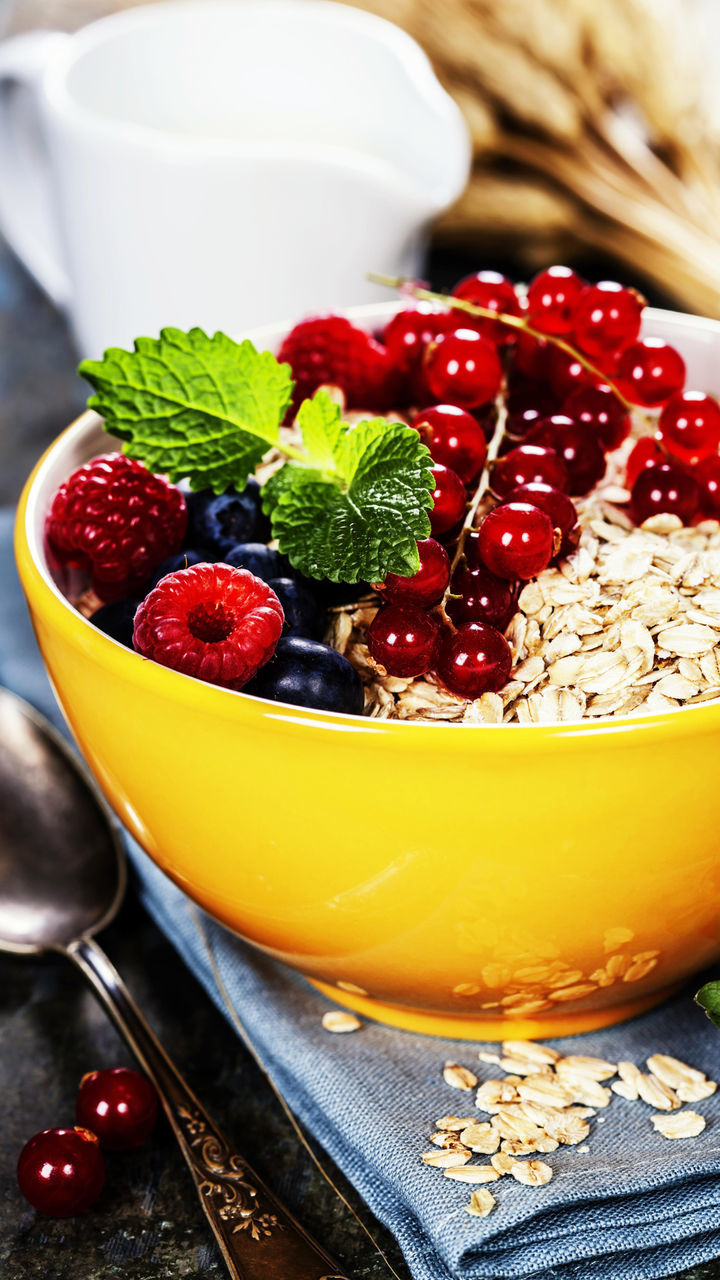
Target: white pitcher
[(221, 163)]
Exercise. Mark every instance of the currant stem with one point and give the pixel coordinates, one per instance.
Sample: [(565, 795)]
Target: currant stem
[(408, 286)]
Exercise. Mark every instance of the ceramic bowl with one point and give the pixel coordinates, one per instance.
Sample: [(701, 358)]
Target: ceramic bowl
[(467, 880)]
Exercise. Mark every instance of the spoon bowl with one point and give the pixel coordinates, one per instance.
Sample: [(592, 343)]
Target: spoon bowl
[(62, 865)]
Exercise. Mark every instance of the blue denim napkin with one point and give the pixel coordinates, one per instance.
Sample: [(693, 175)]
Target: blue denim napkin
[(632, 1206)]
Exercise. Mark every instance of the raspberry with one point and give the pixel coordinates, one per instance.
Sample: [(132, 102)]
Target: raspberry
[(329, 350), (210, 621), (116, 518)]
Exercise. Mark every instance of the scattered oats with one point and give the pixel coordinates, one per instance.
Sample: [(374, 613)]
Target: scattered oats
[(582, 1151), (480, 1138), (523, 1067), (493, 1058), (530, 1049), (446, 1138), (586, 1090), (689, 640), (516, 1147), (568, 1129), (617, 965), (445, 1159), (594, 1068), (532, 1173), (351, 988), (339, 1022), (686, 1124), (577, 992), (625, 1090), (473, 1173), (481, 1203), (545, 1090), (631, 1076), (663, 523), (616, 938), (696, 1090), (657, 1094), (459, 1077), (672, 1071), (502, 1163)]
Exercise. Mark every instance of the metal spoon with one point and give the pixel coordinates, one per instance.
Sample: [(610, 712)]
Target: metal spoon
[(62, 878)]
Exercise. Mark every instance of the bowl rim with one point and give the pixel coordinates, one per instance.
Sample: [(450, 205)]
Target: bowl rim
[(43, 593)]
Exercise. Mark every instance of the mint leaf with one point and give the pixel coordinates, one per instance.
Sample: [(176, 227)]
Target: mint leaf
[(192, 406), (320, 422), (364, 519), (708, 997)]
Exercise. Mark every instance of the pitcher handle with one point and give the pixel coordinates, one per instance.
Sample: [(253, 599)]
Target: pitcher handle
[(26, 198)]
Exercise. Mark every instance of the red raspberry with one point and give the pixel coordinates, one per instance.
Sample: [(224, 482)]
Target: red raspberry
[(210, 621), (330, 350), (116, 518)]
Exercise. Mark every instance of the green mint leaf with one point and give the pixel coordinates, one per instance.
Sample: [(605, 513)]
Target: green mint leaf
[(322, 430), (364, 520), (708, 997), (192, 406)]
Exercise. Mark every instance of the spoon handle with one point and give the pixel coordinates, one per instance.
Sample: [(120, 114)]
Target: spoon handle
[(258, 1238)]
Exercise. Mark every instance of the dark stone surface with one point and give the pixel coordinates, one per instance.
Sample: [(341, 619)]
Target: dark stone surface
[(147, 1224)]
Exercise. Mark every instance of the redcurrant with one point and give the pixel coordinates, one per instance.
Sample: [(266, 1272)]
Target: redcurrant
[(665, 488), (119, 1105), (689, 426), (487, 418), (473, 660), (579, 450), (566, 374), (526, 405), (61, 1171), (482, 598), (516, 540), (427, 585), (494, 292), (552, 298), (650, 372), (454, 438), (530, 358), (408, 333), (524, 465), (556, 504), (647, 452), (403, 640), (599, 409), (449, 498), (463, 368), (607, 319), (707, 476)]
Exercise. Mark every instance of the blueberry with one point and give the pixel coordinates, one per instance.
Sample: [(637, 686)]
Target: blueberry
[(337, 593), (308, 674), (302, 615), (220, 521), (116, 620), (181, 560), (256, 558)]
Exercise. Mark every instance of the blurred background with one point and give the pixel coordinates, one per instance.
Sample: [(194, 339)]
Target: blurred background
[(596, 142)]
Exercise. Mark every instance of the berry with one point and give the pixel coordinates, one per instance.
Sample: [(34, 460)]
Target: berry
[(210, 621), (403, 640), (302, 615), (119, 1105), (650, 372), (557, 505), (116, 620), (528, 464), (707, 477), (566, 374), (483, 598), (116, 518), (599, 410), (463, 368), (61, 1171), (494, 292), (329, 350), (526, 405), (454, 438), (307, 674), (530, 358), (487, 418), (516, 540), (449, 499), (473, 660), (427, 585), (219, 521), (181, 560), (257, 559), (689, 426), (648, 452), (607, 319), (552, 298), (408, 333), (580, 451), (665, 489)]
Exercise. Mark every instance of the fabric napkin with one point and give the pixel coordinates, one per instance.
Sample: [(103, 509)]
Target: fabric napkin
[(628, 1205)]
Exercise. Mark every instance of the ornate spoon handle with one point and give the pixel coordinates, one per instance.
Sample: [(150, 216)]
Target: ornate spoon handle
[(258, 1238)]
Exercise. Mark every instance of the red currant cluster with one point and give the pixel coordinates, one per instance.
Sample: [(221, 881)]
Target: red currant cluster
[(677, 469), (61, 1171)]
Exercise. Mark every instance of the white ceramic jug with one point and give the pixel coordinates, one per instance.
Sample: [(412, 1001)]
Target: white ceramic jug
[(221, 162)]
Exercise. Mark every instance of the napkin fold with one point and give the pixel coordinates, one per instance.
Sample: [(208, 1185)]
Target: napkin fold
[(626, 1205)]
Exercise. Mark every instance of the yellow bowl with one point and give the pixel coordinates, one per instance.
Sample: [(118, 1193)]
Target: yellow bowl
[(466, 880)]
